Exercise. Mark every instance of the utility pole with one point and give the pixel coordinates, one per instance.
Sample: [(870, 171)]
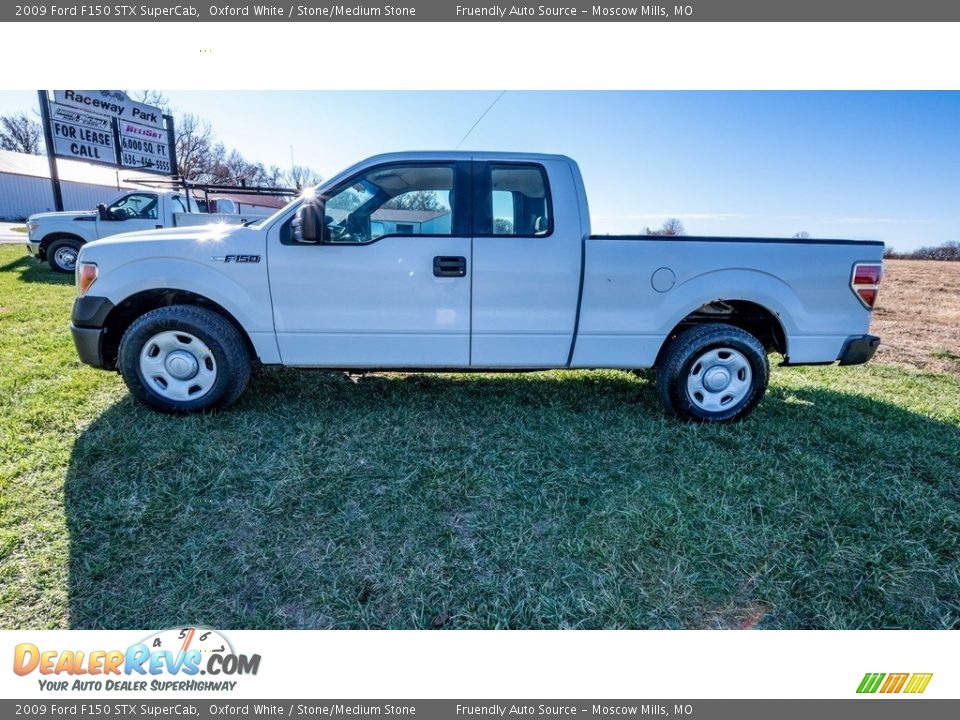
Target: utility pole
[(51, 158)]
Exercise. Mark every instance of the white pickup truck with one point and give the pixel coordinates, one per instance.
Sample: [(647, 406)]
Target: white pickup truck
[(57, 236), (465, 261)]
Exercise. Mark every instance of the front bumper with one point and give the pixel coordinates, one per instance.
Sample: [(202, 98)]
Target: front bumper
[(858, 349), (88, 344), (87, 327), (34, 249)]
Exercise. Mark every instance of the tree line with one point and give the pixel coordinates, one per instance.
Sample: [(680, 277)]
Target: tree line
[(949, 251)]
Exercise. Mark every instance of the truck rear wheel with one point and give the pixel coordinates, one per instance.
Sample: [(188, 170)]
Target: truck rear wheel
[(182, 359), (713, 373), (62, 254)]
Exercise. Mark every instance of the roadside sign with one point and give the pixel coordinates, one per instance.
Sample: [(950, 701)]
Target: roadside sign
[(144, 147), (108, 128), (80, 135)]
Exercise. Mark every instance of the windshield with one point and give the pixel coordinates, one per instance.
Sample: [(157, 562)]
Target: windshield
[(135, 205)]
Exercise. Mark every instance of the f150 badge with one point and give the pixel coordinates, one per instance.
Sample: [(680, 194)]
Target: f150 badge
[(237, 258)]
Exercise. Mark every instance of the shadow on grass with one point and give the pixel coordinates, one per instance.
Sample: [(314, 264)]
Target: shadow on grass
[(546, 500), (32, 270)]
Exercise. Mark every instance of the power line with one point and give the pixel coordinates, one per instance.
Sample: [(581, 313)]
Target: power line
[(482, 116)]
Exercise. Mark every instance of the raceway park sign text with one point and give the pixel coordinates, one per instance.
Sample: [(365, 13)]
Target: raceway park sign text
[(111, 102)]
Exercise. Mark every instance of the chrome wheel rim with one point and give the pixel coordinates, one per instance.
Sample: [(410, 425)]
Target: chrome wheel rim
[(66, 257), (719, 379), (178, 366)]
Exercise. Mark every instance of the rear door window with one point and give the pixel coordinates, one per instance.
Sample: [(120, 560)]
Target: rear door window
[(513, 199)]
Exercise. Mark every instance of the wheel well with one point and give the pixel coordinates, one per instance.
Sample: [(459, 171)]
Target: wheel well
[(123, 315), (45, 243), (755, 319), (53, 237)]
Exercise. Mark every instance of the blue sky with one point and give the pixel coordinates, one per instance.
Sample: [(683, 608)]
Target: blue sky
[(879, 165)]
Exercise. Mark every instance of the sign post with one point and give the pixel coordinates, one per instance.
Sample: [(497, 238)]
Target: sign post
[(51, 156)]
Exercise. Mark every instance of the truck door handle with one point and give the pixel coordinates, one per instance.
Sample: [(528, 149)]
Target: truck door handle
[(449, 266)]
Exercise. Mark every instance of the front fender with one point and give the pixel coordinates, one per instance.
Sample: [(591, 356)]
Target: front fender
[(242, 291), (47, 235)]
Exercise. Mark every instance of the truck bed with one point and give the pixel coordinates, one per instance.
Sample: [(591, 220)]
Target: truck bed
[(637, 288)]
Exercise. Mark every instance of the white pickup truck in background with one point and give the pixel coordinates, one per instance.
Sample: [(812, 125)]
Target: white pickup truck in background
[(466, 261), (58, 236)]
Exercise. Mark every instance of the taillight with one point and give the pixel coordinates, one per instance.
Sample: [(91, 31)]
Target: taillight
[(865, 282)]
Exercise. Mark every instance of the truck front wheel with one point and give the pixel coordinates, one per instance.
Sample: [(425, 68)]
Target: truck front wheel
[(713, 373), (62, 254), (182, 359)]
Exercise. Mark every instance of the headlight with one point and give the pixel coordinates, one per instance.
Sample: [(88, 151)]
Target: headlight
[(86, 276), (32, 227)]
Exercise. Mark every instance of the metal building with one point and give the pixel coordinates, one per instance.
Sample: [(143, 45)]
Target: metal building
[(25, 188), (25, 184)]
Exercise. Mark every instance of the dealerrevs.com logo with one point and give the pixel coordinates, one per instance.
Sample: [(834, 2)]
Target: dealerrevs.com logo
[(168, 660), (891, 683)]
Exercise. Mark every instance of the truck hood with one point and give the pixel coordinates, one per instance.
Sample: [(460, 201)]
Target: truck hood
[(204, 244), (213, 231), (76, 215)]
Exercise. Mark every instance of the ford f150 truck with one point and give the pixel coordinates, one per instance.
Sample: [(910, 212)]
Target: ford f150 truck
[(57, 236), (465, 261)]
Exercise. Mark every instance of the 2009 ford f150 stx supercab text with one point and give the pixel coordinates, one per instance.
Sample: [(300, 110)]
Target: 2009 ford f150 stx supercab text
[(479, 261)]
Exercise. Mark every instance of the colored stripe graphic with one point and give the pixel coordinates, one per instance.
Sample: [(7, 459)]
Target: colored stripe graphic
[(895, 683), (870, 682), (918, 683)]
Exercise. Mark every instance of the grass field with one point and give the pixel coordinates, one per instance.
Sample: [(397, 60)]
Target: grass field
[(431, 501)]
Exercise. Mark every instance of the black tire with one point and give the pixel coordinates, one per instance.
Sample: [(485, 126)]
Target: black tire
[(223, 349), (60, 250), (732, 351)]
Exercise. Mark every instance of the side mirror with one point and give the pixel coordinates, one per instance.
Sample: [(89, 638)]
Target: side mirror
[(307, 226), (102, 212)]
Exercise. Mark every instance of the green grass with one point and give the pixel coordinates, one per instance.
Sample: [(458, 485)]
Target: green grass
[(945, 355), (526, 501), (19, 229)]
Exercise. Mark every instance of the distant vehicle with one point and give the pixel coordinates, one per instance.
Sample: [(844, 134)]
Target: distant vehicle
[(58, 236), (480, 261)]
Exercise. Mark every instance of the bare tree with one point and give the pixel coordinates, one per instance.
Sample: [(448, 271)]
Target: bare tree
[(274, 177), (349, 199), (21, 133), (202, 158), (672, 227), (949, 251), (194, 147), (416, 200), (151, 97), (301, 176)]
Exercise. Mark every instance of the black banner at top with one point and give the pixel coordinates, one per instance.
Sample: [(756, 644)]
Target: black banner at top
[(481, 11)]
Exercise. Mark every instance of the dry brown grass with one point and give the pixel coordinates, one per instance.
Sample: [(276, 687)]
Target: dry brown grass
[(918, 315)]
